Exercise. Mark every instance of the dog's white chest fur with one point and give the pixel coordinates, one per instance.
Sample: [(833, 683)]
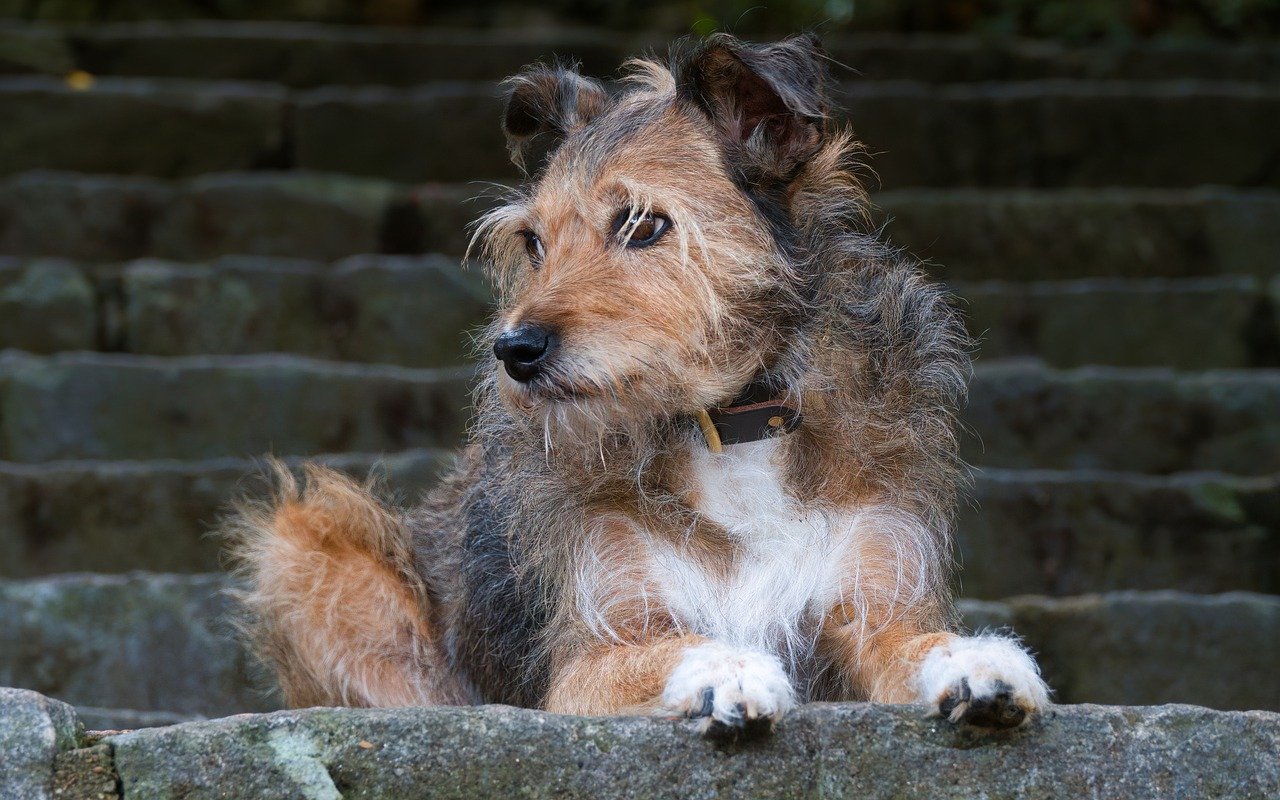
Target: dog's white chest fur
[(790, 560)]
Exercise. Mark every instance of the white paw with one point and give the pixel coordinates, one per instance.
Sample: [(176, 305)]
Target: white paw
[(984, 680), (729, 688)]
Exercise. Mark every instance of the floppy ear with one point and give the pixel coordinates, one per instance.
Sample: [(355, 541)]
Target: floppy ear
[(547, 100), (768, 102)]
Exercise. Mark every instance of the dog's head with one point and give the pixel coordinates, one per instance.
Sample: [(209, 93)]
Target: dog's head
[(646, 270)]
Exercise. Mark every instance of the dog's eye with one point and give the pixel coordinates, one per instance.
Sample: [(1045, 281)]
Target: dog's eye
[(640, 231), (533, 246)]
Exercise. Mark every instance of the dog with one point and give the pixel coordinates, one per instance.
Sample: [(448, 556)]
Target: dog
[(713, 467)]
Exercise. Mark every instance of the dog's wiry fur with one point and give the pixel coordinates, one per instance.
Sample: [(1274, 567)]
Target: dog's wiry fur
[(589, 553)]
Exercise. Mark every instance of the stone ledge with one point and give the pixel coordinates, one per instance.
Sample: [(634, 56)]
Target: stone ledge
[(1030, 134), (120, 406), (195, 407), (969, 234), (86, 639), (413, 311), (33, 730), (304, 55), (1021, 532), (819, 751)]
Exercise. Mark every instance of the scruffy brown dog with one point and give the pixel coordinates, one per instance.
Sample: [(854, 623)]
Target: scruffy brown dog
[(714, 472)]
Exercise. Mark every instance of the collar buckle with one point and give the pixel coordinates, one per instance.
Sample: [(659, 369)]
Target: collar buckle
[(752, 416)]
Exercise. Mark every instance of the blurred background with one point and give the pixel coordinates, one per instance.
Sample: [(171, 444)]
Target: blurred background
[(233, 227)]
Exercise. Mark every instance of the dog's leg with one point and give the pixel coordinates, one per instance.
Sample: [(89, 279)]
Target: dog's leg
[(726, 687), (986, 680), (335, 604)]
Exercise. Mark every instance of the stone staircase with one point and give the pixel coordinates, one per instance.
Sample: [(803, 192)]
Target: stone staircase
[(223, 239)]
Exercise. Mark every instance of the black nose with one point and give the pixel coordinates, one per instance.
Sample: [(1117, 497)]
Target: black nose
[(524, 349)]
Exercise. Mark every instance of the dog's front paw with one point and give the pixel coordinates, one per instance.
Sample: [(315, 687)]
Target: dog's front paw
[(730, 689), (989, 681)]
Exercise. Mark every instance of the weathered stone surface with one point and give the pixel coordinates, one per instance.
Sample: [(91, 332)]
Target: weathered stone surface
[(47, 306), (1068, 133), (1271, 320), (442, 132), (86, 639), (1141, 420), (831, 751), (417, 311), (297, 215), (312, 55), (117, 406), (956, 59), (1063, 533), (79, 216), (303, 55), (233, 305), (86, 773), (143, 641), (1186, 324), (1032, 134), (348, 11), (396, 310), (83, 405), (33, 730), (970, 234), (160, 128), (294, 214), (1071, 20), (1115, 233), (1025, 532), (128, 719), (79, 516), (437, 217), (1067, 19), (34, 48), (1149, 647)]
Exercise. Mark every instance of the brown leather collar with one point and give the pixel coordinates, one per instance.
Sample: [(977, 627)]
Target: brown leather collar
[(753, 415)]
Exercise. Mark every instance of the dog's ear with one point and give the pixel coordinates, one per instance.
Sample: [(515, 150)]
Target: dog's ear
[(545, 104), (768, 102)]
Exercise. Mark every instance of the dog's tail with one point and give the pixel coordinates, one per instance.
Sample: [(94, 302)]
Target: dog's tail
[(330, 596)]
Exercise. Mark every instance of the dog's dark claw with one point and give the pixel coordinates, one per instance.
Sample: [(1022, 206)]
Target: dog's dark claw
[(706, 704), (961, 695), (733, 725), (997, 709), (737, 717), (739, 727)]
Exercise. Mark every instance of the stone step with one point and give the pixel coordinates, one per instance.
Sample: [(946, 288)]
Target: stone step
[(970, 234), (1186, 751), (1067, 19), (1195, 323), (72, 516), (415, 312), (410, 311), (1136, 420), (310, 55), (167, 128), (1032, 133), (1019, 532), (330, 753), (976, 234), (1148, 648), (89, 405), (86, 639), (1060, 533), (287, 214), (116, 406), (145, 641)]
